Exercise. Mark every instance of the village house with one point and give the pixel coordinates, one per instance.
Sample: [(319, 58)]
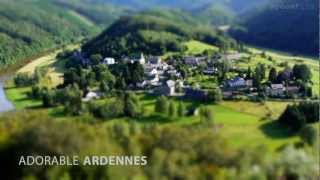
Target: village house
[(293, 89), (168, 89), (196, 94), (237, 82), (276, 90), (150, 71), (155, 60), (91, 96), (194, 61), (232, 56), (141, 60), (109, 61), (210, 71)]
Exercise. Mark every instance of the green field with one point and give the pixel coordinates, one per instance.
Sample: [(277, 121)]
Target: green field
[(242, 123), (197, 47)]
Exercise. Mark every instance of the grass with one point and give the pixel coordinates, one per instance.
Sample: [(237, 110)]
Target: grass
[(55, 68), (197, 47), (241, 121), (205, 81), (20, 99)]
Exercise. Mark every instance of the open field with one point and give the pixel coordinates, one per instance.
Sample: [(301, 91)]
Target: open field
[(55, 67), (243, 123), (196, 47)]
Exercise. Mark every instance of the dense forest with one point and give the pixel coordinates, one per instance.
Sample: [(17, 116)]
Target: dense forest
[(153, 33), (30, 27), (286, 25)]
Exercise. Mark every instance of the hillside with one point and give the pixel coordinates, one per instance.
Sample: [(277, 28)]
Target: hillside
[(280, 27), (151, 34), (28, 28)]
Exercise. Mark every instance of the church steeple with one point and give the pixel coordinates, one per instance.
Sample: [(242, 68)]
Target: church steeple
[(142, 59)]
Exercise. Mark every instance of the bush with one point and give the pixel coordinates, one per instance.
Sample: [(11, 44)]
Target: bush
[(293, 118), (23, 80), (172, 112), (162, 105), (206, 115), (309, 135), (215, 96)]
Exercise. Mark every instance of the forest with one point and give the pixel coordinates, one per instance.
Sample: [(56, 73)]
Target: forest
[(28, 28), (152, 33), (290, 26)]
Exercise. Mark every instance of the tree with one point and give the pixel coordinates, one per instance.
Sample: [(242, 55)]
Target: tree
[(96, 59), (309, 135), (215, 95), (132, 107), (257, 78), (172, 111), (293, 118), (181, 109), (136, 73), (249, 73), (23, 80), (302, 72), (206, 115), (162, 105), (48, 98), (73, 102), (273, 75)]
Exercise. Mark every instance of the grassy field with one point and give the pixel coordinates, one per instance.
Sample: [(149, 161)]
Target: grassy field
[(55, 68), (243, 123), (20, 99), (196, 47)]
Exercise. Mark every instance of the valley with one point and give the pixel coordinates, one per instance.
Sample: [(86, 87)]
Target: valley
[(189, 85)]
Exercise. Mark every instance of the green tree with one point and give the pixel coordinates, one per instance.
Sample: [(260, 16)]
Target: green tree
[(249, 73), (162, 105), (309, 135), (273, 75), (293, 118), (96, 59), (302, 72), (181, 109), (132, 106), (215, 95), (172, 112), (206, 115), (73, 102)]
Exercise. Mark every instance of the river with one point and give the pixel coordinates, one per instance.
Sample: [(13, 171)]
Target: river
[(5, 104)]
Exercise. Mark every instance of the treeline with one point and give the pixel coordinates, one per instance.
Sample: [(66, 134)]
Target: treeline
[(173, 152), (152, 34), (31, 27)]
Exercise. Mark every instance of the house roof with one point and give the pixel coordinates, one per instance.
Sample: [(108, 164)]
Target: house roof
[(171, 83), (277, 86)]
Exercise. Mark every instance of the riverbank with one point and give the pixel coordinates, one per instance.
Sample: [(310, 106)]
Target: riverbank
[(9, 95), (5, 104)]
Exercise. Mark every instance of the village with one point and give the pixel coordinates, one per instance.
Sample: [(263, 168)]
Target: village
[(165, 78)]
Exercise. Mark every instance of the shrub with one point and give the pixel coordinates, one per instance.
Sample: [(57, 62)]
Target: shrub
[(309, 135), (162, 105), (23, 80)]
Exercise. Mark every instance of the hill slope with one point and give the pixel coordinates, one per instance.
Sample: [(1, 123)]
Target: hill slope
[(152, 34), (279, 26), (30, 27)]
